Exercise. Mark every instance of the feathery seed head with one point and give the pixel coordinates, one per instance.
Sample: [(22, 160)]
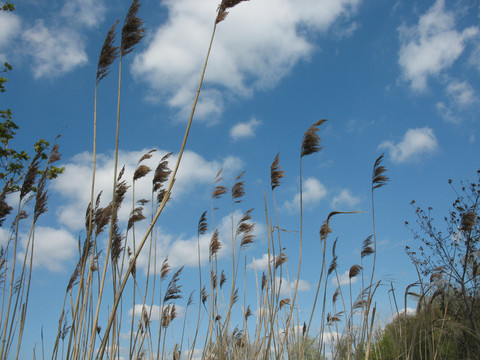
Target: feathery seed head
[(133, 30), (202, 224), (275, 172), (311, 140), (378, 177), (224, 5), (140, 172), (354, 271), (108, 54)]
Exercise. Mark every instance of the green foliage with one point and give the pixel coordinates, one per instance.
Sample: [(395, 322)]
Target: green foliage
[(8, 6), (6, 67)]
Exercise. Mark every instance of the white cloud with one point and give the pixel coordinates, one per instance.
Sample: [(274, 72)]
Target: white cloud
[(461, 99), (432, 45), (259, 264), (75, 183), (244, 129), (53, 248), (344, 279), (409, 311), (415, 143), (461, 93), (89, 13), (54, 51), (9, 28), (255, 47), (345, 198), (313, 191), (288, 288)]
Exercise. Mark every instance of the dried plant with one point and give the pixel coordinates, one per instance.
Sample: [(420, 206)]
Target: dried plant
[(162, 172), (378, 177), (354, 271), (276, 173), (165, 269), (202, 224), (284, 302), (215, 244), (132, 31), (311, 140), (173, 290), (141, 171), (136, 215), (238, 189), (224, 5), (366, 248), (108, 54)]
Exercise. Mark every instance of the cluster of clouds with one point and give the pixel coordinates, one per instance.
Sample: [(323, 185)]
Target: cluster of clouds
[(55, 45), (259, 44), (255, 47), (430, 48)]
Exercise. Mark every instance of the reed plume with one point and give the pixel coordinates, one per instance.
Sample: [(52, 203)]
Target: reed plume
[(108, 54), (238, 188), (173, 291), (215, 244), (132, 31), (311, 140), (224, 5), (202, 224), (379, 179), (276, 173)]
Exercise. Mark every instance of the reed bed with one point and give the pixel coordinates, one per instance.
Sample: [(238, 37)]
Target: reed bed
[(104, 282)]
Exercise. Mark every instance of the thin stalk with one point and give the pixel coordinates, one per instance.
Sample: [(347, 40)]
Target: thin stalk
[(160, 208)]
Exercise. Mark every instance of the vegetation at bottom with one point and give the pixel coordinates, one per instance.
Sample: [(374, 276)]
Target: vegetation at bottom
[(444, 325)]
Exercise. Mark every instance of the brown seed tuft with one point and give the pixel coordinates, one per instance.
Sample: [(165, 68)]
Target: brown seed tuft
[(133, 30), (276, 173), (108, 54), (215, 244), (311, 140), (202, 224), (354, 271), (140, 172), (378, 177), (284, 302)]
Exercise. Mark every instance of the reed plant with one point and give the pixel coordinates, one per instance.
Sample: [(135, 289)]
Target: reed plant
[(226, 326)]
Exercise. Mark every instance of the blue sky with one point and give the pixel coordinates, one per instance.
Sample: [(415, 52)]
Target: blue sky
[(399, 77)]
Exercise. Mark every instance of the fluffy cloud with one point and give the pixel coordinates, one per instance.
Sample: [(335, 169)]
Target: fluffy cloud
[(9, 28), (313, 191), (244, 129), (345, 198), (255, 47), (54, 52), (288, 288), (432, 45), (75, 184), (415, 143), (344, 279), (259, 264), (56, 44), (461, 100), (53, 248), (88, 13)]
